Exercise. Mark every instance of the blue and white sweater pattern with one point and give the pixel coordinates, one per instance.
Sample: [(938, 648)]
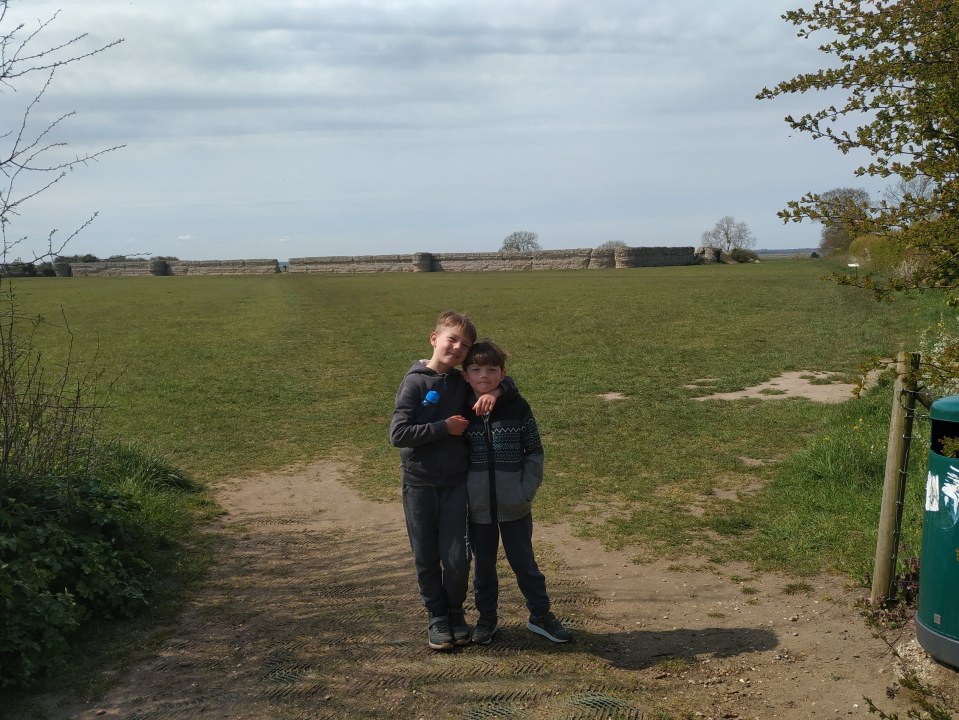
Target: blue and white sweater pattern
[(504, 447)]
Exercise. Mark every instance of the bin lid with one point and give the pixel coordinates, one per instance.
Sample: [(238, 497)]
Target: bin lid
[(946, 408)]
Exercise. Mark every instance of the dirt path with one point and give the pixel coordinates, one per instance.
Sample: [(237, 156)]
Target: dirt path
[(311, 611)]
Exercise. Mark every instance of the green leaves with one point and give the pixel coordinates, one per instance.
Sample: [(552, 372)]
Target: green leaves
[(897, 64), (71, 548)]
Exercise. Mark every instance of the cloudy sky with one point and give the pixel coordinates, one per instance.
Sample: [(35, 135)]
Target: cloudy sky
[(297, 128)]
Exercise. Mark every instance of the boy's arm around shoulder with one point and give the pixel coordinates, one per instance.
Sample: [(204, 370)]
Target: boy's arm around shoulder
[(506, 391), (405, 428), (508, 387)]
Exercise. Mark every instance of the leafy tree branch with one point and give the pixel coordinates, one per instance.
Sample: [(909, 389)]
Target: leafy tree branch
[(897, 65)]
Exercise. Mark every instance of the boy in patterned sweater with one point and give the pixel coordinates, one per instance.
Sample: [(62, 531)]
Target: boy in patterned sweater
[(506, 468)]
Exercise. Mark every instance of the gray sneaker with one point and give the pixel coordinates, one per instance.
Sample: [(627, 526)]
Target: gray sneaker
[(549, 626), (485, 628), (461, 631), (438, 634)]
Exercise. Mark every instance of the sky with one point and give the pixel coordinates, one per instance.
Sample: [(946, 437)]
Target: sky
[(300, 128)]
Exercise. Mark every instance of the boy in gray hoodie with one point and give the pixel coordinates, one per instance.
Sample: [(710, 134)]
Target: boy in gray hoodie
[(506, 469)]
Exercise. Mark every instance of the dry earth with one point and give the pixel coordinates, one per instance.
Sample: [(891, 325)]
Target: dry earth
[(311, 612), (816, 385)]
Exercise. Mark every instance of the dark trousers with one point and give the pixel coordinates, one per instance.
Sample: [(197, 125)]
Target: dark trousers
[(436, 522), (517, 538)]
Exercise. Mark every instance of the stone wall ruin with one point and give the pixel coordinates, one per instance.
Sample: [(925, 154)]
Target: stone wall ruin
[(577, 259), (109, 268), (580, 259)]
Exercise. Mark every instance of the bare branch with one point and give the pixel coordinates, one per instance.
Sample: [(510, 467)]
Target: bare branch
[(32, 159), (24, 61)]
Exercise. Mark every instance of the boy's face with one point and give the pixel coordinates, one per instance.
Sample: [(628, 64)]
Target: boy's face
[(450, 346), (483, 378)]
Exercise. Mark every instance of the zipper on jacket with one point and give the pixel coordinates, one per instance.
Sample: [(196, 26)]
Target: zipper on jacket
[(491, 462)]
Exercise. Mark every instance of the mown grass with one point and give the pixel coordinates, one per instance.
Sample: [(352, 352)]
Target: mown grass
[(228, 376)]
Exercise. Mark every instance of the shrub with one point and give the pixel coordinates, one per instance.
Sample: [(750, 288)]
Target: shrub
[(611, 245), (742, 255), (69, 551), (876, 254), (82, 547), (939, 350), (48, 420)]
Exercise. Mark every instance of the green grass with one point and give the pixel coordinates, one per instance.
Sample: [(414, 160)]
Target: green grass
[(797, 588), (228, 376), (821, 507)]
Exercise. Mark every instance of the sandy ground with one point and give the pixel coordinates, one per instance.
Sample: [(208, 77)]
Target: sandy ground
[(814, 385)]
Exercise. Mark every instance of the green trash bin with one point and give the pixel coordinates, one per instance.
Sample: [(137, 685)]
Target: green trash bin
[(937, 619)]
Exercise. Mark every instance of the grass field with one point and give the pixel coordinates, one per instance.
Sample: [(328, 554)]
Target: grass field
[(230, 375)]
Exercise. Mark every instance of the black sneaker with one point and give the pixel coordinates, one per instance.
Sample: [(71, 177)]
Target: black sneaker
[(486, 626), (461, 631), (549, 626), (438, 634)]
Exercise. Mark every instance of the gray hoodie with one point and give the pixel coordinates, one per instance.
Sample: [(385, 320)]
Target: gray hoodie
[(429, 455)]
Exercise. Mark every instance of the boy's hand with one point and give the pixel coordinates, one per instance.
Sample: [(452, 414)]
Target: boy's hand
[(484, 403), (456, 424)]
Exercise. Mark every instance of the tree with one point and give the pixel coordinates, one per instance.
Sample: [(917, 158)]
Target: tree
[(32, 159), (520, 241), (896, 61), (728, 234), (919, 186), (844, 207), (612, 245)]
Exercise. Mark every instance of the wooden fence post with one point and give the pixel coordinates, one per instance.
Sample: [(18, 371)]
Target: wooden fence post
[(894, 481)]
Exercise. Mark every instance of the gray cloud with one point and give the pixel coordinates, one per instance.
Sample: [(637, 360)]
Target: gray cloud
[(404, 126)]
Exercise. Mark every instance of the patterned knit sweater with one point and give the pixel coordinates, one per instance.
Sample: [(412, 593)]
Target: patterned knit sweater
[(505, 448)]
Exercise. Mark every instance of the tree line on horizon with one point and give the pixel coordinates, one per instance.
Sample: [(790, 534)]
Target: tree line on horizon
[(731, 237)]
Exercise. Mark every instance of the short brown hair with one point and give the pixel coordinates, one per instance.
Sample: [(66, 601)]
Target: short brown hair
[(486, 352), (459, 321)]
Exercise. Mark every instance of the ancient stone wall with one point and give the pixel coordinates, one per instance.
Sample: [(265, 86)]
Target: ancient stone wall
[(110, 268), (222, 267), (631, 257), (357, 264), (578, 259), (602, 259), (707, 254), (518, 261), (562, 259)]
